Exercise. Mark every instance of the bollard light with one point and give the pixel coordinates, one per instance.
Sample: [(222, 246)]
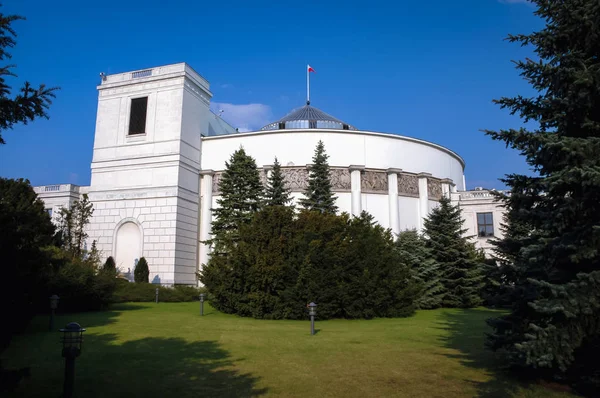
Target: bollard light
[(156, 295), (53, 306), (312, 311), (72, 341), (201, 303), (54, 301)]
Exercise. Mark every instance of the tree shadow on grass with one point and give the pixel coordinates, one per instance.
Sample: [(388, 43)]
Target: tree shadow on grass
[(114, 366), (41, 322), (161, 367), (466, 334)]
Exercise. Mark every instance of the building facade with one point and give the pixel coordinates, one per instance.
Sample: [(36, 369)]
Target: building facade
[(159, 153)]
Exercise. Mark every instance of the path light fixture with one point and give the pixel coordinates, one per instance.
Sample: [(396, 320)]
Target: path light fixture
[(156, 295), (312, 311), (201, 303), (72, 340), (53, 306)]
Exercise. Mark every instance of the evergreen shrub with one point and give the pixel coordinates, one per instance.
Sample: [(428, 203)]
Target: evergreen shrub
[(145, 292), (82, 287), (110, 265), (348, 266), (141, 272)]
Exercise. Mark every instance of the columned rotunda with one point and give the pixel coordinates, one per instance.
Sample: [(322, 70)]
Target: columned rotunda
[(159, 153)]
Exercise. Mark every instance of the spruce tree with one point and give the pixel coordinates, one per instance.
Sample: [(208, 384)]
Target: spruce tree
[(414, 253), (554, 317), (141, 274), (460, 270), (319, 195), (500, 273), (241, 196), (276, 193)]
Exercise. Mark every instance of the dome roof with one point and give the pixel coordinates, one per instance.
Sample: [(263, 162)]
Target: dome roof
[(308, 117)]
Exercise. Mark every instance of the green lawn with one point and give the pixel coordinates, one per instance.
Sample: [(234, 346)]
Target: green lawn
[(168, 350)]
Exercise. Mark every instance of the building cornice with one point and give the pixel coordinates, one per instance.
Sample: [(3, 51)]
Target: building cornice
[(348, 132)]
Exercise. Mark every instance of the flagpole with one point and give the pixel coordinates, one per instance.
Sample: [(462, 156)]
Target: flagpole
[(307, 86)]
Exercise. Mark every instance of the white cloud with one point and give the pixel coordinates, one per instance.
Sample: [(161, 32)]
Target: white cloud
[(226, 86), (245, 117)]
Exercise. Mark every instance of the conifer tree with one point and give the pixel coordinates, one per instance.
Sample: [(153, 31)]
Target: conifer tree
[(276, 193), (141, 274), (319, 195), (415, 254), (241, 196), (554, 318), (460, 270), (30, 103), (110, 265), (501, 274)]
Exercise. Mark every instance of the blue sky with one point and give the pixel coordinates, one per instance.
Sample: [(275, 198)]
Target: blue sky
[(427, 69)]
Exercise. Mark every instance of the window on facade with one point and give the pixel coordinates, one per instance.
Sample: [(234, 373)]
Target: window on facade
[(485, 224), (49, 211), (137, 116)]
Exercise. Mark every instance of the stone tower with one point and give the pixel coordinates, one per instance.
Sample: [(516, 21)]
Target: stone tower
[(145, 169)]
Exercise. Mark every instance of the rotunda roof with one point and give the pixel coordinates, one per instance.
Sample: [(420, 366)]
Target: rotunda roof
[(308, 117)]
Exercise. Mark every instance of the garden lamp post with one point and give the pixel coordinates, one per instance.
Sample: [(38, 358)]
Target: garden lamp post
[(156, 295), (72, 340), (312, 311), (201, 303), (53, 306)]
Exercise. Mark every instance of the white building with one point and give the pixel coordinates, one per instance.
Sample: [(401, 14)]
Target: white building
[(159, 152)]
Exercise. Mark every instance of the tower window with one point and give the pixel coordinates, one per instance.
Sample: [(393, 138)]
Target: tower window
[(485, 225), (137, 116)]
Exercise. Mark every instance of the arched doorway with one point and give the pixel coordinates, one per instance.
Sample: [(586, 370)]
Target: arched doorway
[(128, 246)]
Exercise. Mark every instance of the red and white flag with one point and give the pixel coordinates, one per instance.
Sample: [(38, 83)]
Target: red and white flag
[(310, 69)]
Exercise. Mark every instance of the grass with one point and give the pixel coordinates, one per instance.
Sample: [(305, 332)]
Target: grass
[(168, 350)]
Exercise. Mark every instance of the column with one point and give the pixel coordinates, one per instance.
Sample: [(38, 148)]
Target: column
[(206, 215), (446, 187), (393, 200), (423, 198), (355, 180)]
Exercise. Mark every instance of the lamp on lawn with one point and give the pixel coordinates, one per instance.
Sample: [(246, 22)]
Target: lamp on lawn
[(312, 311), (72, 340), (53, 306), (156, 295), (201, 303)]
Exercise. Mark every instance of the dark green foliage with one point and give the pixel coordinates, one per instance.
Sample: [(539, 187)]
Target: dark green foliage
[(349, 267), (30, 103), (415, 254), (553, 314), (25, 231), (110, 265), (241, 196), (146, 292), (82, 287), (456, 257), (319, 195), (141, 272), (249, 281), (500, 272), (276, 193)]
